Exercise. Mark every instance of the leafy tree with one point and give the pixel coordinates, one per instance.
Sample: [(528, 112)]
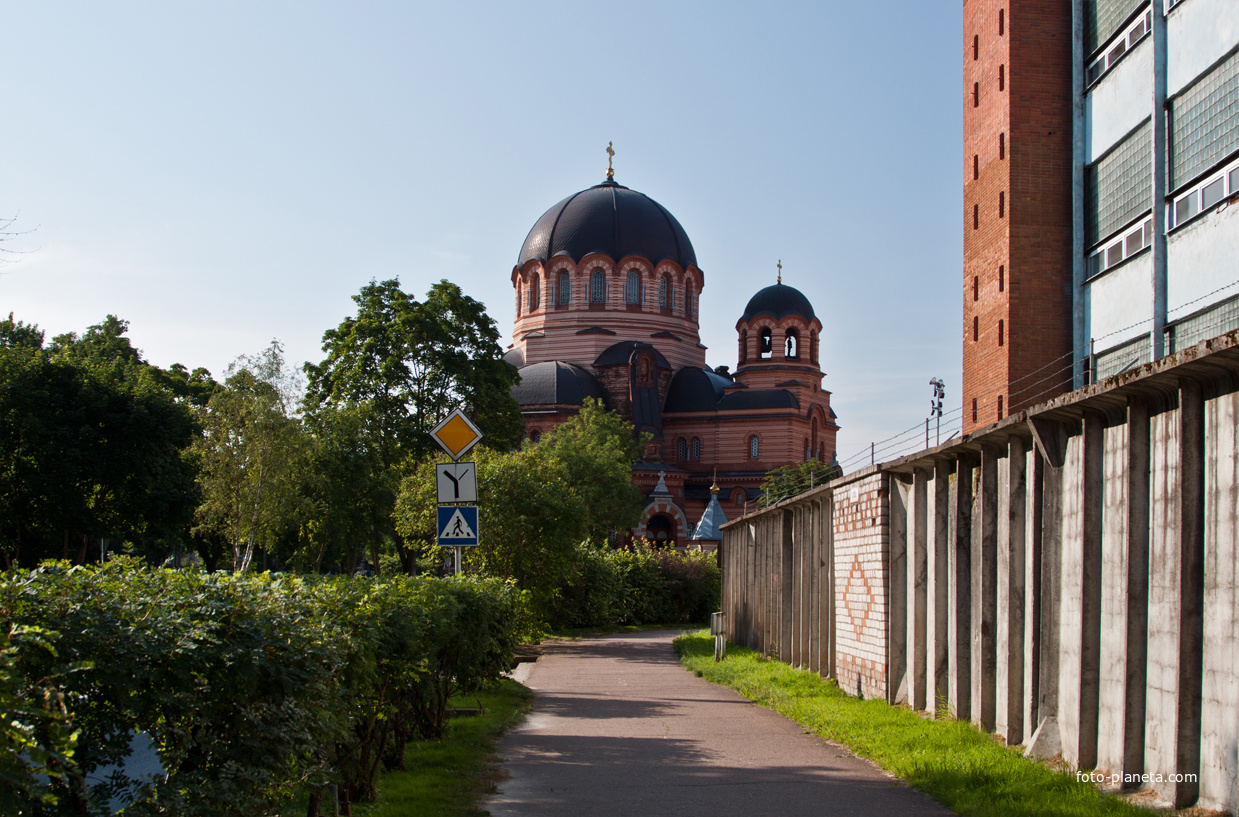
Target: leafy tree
[(250, 453), (91, 444), (400, 367), (530, 520), (596, 450)]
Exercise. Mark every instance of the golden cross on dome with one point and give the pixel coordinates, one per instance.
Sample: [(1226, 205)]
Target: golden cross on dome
[(610, 156), (780, 270)]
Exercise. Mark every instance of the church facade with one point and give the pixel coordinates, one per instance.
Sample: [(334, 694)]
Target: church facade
[(607, 290)]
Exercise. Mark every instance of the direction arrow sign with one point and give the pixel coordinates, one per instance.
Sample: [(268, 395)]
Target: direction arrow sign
[(456, 435), (457, 481), (458, 525)]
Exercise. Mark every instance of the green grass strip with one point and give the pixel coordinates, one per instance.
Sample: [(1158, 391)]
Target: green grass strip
[(449, 778), (956, 764)]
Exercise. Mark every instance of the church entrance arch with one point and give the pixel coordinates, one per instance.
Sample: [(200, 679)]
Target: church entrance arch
[(659, 530)]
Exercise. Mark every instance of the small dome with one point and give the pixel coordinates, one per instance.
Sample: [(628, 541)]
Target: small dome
[(611, 219), (555, 383), (694, 389), (779, 301)]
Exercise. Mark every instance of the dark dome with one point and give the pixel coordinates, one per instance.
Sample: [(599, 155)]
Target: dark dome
[(779, 301), (608, 218), (694, 389), (555, 383)]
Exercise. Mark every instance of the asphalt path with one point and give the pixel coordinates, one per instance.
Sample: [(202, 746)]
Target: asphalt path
[(618, 727)]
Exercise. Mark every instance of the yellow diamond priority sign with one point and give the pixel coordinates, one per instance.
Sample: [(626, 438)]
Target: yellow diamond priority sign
[(456, 435)]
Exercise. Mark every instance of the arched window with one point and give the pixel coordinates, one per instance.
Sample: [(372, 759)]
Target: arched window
[(688, 301), (518, 301), (682, 449), (754, 447), (806, 449), (664, 291), (816, 453), (534, 295), (598, 288), (767, 344), (565, 288), (535, 435), (632, 292), (696, 448), (791, 345), (813, 345), (744, 346)]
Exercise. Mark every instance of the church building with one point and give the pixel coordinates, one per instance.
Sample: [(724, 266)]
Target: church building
[(607, 290)]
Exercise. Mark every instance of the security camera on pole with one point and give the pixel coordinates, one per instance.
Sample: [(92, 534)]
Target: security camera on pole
[(456, 485)]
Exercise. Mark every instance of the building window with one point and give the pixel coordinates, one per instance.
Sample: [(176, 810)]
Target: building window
[(1117, 187), (1001, 338), (754, 447), (976, 94), (632, 292), (664, 292), (598, 287), (976, 167), (791, 345), (696, 448), (976, 329), (813, 346), (976, 287), (766, 351), (974, 409), (534, 298), (1203, 126), (976, 216), (744, 345), (1000, 407), (682, 449), (535, 436), (1001, 12), (1002, 276), (976, 46), (1002, 203), (565, 288), (1002, 146), (1002, 77)]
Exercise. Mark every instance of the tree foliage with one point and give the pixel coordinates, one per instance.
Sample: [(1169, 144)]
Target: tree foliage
[(789, 480), (92, 444), (538, 503), (412, 363), (251, 454)]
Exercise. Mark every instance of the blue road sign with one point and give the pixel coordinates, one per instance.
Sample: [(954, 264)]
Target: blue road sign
[(458, 525)]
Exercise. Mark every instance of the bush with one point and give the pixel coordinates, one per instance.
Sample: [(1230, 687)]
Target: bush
[(639, 586), (248, 686)]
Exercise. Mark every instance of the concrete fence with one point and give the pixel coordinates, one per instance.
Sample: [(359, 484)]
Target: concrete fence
[(1065, 578)]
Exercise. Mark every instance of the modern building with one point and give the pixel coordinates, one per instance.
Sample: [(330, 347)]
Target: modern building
[(607, 290), (1101, 154)]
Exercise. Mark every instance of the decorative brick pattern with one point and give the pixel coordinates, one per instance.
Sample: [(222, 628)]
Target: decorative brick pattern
[(861, 534)]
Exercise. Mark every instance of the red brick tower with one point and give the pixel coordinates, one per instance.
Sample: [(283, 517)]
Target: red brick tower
[(1017, 205)]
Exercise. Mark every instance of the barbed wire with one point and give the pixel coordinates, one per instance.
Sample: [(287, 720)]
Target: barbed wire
[(1050, 378)]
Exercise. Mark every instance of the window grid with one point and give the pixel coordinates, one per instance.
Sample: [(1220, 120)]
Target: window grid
[(598, 289), (565, 288), (1104, 17), (1207, 325), (1118, 187), (1204, 123), (632, 292)]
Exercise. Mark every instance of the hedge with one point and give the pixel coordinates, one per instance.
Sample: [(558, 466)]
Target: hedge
[(250, 687)]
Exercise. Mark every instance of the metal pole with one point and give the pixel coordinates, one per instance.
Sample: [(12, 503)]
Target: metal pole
[(871, 459), (927, 432)]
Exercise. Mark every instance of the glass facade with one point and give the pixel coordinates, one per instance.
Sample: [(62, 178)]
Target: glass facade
[(1204, 123), (1118, 187)]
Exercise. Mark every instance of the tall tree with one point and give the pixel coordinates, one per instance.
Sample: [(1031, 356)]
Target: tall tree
[(412, 363), (596, 450), (250, 454), (92, 444), (397, 369)]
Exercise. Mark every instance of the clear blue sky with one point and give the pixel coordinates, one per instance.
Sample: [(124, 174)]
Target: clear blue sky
[(221, 174)]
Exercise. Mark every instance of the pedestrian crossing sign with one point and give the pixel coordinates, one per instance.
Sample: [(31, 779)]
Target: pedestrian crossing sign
[(458, 525)]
